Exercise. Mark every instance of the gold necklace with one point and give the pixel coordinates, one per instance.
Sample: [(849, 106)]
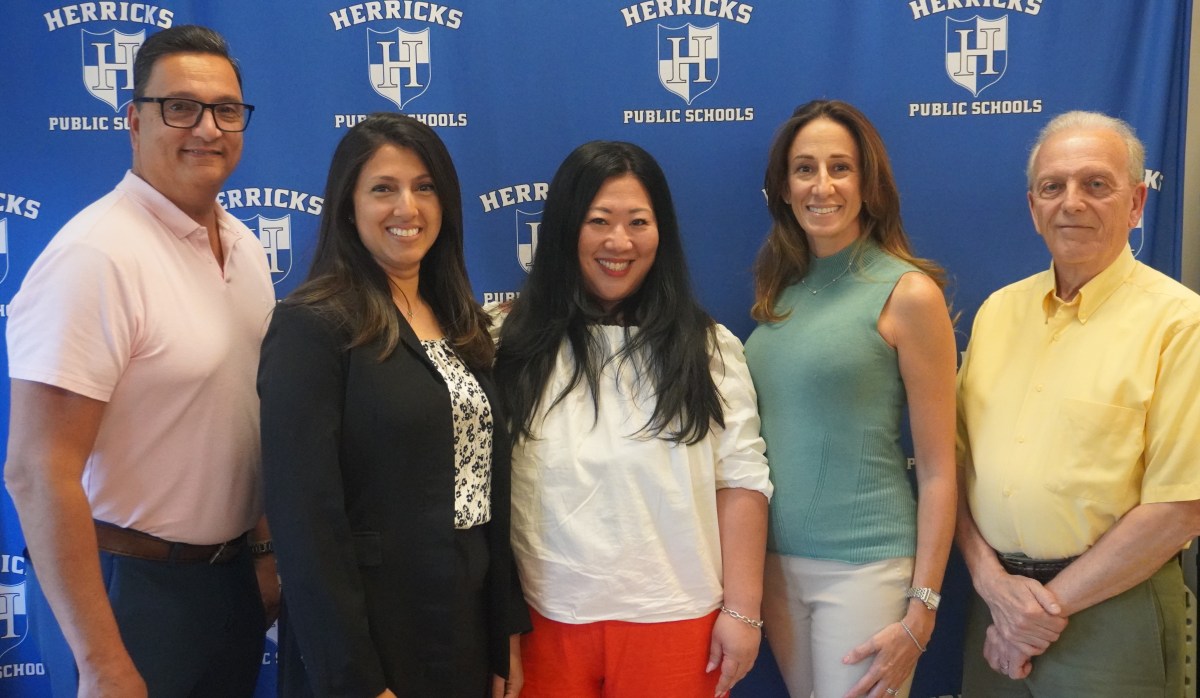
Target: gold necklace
[(403, 295)]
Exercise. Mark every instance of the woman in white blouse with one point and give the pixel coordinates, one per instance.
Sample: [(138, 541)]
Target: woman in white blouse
[(639, 482)]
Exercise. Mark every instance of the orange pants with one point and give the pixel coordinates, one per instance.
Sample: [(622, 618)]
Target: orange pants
[(617, 659)]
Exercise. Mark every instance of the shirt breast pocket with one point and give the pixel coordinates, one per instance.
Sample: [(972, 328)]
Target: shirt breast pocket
[(1100, 446)]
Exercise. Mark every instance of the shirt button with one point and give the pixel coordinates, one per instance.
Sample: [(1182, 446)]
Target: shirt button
[(1038, 387), (1021, 439), (1007, 491)]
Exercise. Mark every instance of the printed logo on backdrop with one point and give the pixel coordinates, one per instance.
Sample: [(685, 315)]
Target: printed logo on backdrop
[(976, 55), (3, 249), (688, 60), (976, 52), (399, 61), (275, 234), (14, 619), (523, 200), (108, 65), (528, 226), (104, 55), (290, 214)]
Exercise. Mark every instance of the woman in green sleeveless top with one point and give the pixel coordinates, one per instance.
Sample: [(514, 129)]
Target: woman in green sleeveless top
[(854, 328)]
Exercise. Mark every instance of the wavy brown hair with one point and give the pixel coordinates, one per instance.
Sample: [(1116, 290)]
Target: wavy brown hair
[(784, 257)]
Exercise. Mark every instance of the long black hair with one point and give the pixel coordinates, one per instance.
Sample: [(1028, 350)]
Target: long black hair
[(671, 348), (346, 283)]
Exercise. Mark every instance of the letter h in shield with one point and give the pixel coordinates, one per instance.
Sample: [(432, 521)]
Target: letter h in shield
[(976, 52), (275, 234), (398, 63), (108, 65), (689, 59)]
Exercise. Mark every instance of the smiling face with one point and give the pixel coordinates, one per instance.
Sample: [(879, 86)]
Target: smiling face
[(617, 241), (824, 185), (187, 165), (1082, 201), (397, 210)]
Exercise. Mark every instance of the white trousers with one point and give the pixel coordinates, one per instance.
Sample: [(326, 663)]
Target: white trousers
[(816, 611)]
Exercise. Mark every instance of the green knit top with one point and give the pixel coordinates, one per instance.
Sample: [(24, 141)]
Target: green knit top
[(831, 401)]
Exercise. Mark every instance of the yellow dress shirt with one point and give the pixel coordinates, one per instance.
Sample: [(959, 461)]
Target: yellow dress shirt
[(1070, 414)]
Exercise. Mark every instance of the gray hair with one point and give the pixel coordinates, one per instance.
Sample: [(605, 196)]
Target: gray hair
[(1136, 152)]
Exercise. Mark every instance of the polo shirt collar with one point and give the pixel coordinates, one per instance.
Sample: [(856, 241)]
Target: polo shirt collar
[(1094, 293), (179, 223)]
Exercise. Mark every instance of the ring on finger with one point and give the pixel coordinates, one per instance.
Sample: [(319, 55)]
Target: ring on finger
[(892, 691)]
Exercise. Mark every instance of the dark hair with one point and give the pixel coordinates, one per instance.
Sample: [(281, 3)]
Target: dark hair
[(185, 38), (674, 337), (784, 257), (346, 283)]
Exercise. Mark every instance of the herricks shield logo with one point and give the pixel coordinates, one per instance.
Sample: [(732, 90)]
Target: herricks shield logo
[(688, 59), (398, 62), (3, 249), (14, 623), (976, 52), (275, 234), (528, 225), (108, 65)]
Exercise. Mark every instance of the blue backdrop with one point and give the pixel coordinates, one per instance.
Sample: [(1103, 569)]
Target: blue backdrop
[(958, 89)]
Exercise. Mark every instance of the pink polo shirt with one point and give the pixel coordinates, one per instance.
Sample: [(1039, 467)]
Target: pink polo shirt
[(127, 305)]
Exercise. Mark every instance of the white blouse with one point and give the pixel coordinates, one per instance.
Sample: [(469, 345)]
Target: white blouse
[(609, 524)]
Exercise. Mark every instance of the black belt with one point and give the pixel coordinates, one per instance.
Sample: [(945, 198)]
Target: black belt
[(1041, 570), (131, 543)]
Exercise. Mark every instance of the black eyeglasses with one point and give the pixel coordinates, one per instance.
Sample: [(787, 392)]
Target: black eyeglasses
[(177, 112)]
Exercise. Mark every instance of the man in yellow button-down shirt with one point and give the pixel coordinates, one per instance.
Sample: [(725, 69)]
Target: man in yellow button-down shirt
[(1079, 440)]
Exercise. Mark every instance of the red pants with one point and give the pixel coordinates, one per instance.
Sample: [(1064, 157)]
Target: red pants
[(617, 659)]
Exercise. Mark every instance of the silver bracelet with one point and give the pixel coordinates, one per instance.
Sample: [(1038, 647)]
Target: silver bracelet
[(914, 637), (752, 622)]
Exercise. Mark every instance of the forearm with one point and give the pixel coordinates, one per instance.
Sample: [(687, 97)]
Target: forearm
[(1141, 542), (936, 504), (57, 522), (742, 521)]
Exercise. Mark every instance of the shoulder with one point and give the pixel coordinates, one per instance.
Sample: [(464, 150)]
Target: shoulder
[(1185, 302), (298, 321)]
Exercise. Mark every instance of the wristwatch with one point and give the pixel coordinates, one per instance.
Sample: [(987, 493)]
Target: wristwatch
[(925, 595), (265, 547)]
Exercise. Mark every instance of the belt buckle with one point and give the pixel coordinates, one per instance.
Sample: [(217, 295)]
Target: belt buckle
[(220, 549)]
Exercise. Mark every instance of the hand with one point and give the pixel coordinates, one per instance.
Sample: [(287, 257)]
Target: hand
[(734, 648), (111, 682), (1025, 613), (268, 585), (896, 656), (1004, 657), (510, 688)]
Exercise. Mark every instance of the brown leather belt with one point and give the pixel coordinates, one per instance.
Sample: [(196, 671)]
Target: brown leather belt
[(131, 543), (1040, 570)]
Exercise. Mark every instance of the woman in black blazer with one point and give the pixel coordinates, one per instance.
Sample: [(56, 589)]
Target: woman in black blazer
[(385, 458)]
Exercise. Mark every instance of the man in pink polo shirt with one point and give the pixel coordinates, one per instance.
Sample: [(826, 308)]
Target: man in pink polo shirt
[(133, 454)]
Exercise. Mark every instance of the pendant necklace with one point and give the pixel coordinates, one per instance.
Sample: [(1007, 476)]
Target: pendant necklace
[(404, 295), (814, 292)]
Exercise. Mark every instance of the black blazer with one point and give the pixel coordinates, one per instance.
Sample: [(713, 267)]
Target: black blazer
[(358, 459)]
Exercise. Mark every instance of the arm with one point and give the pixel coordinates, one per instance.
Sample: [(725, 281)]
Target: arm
[(743, 489), (1129, 553), (51, 434), (302, 386), (742, 520), (916, 323)]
